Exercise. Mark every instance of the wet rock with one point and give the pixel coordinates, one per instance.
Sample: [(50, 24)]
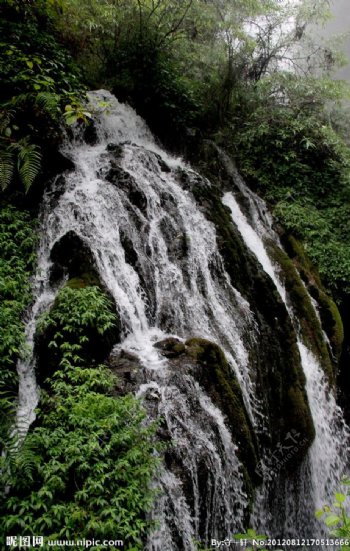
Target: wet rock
[(90, 133), (170, 347), (274, 356), (116, 149), (190, 180), (211, 370), (71, 255), (328, 310), (122, 179), (163, 166), (127, 367), (304, 309), (177, 242)]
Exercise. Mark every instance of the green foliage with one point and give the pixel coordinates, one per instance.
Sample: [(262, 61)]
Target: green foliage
[(77, 314), (289, 153), (336, 516), (28, 161), (92, 466), (86, 468), (38, 78), (324, 242), (17, 245)]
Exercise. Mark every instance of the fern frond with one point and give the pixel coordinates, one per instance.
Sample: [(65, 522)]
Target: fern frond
[(20, 460), (26, 459), (7, 164), (28, 162), (49, 103)]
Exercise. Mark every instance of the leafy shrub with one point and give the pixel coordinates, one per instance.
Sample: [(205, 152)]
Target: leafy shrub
[(336, 517), (93, 464), (86, 468), (80, 321), (17, 243), (38, 80)]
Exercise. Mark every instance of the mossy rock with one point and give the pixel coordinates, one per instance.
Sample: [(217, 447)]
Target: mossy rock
[(87, 279), (220, 383), (274, 356), (303, 308), (170, 347), (329, 313)]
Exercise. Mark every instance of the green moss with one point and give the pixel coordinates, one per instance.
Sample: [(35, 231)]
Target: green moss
[(87, 279), (329, 313), (297, 415), (332, 322), (274, 357), (220, 383), (311, 329)]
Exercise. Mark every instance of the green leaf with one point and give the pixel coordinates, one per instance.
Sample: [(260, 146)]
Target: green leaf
[(71, 119), (332, 520), (340, 497), (6, 168), (28, 162)]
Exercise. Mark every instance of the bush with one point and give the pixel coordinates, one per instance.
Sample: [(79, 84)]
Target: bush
[(86, 468), (92, 462), (38, 79)]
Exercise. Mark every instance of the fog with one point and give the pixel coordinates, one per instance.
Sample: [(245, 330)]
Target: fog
[(341, 24)]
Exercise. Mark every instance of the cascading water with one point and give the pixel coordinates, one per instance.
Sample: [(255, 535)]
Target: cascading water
[(327, 459), (157, 254), (170, 289)]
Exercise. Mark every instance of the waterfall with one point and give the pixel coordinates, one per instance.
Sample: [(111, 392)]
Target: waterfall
[(327, 457), (157, 254)]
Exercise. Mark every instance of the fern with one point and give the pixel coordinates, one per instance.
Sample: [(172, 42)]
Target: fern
[(7, 415), (7, 164), (28, 162), (25, 460), (49, 103)]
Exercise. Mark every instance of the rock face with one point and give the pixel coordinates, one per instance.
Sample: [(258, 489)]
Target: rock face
[(274, 354), (205, 362), (72, 257)]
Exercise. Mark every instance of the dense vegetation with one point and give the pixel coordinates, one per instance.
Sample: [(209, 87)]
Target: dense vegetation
[(17, 244), (207, 69), (215, 69), (87, 465)]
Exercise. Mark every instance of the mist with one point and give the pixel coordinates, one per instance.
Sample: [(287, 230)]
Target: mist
[(340, 24)]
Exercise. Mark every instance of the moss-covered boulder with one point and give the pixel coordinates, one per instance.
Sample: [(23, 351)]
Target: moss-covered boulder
[(311, 329), (214, 374), (328, 310)]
